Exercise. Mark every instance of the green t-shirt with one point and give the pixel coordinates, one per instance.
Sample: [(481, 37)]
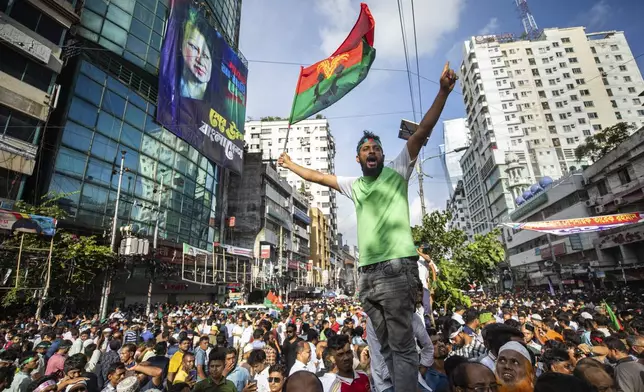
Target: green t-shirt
[(382, 211)]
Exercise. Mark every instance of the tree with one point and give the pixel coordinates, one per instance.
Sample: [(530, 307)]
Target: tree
[(460, 262), (319, 116), (272, 118), (599, 144), (76, 260)]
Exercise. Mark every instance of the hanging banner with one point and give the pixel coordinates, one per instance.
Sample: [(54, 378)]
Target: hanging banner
[(265, 252), (237, 251), (202, 87), (190, 250), (580, 225), (27, 223)]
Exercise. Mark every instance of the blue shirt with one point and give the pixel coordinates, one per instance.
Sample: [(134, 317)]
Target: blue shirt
[(239, 377), (200, 360), (53, 348), (147, 335)]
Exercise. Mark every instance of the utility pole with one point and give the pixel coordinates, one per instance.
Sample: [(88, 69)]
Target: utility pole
[(108, 281), (419, 170), (154, 245)]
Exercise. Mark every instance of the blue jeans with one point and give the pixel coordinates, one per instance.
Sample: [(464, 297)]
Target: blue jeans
[(387, 293)]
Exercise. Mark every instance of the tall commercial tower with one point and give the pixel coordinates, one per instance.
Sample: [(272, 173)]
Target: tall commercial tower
[(310, 144), (108, 106), (455, 135), (32, 33), (529, 103)]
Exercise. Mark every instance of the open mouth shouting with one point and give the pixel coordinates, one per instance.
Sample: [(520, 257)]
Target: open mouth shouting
[(372, 162)]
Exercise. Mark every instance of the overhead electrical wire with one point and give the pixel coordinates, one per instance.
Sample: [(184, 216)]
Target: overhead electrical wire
[(405, 49)]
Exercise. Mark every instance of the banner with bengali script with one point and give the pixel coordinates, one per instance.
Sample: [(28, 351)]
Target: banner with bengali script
[(202, 86), (580, 225), (27, 223)]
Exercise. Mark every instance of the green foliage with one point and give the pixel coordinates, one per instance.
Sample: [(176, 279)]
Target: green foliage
[(76, 260), (319, 116), (273, 118), (460, 262), (599, 144)]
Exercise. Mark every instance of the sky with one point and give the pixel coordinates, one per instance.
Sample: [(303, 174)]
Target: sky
[(277, 32)]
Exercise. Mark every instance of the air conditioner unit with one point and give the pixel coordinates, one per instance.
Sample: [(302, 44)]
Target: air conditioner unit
[(286, 203), (591, 202), (599, 209), (619, 201)]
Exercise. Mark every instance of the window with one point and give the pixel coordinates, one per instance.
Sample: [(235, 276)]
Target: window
[(574, 98), (538, 83), (586, 132), (545, 105), (627, 78), (532, 62), (589, 104), (555, 93), (624, 177), (535, 72), (528, 51), (570, 86), (581, 121), (613, 103), (597, 127), (570, 50), (565, 40), (576, 70), (602, 188), (609, 92), (24, 69), (614, 48), (549, 117), (592, 115), (552, 82), (563, 116), (622, 68), (618, 115), (580, 81), (542, 94), (631, 89), (559, 54), (566, 75), (567, 128), (570, 140), (559, 104), (552, 129), (573, 60), (584, 92), (636, 101), (640, 112), (32, 18), (618, 57)]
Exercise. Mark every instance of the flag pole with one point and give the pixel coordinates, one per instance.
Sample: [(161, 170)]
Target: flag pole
[(290, 120)]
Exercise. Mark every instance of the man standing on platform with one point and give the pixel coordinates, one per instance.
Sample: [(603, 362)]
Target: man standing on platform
[(388, 270)]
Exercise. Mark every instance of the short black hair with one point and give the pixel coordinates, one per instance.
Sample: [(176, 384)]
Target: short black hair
[(368, 135), (614, 343), (178, 387), (256, 356), (561, 382), (554, 355), (217, 355), (114, 367), (258, 333), (75, 362), (337, 342), (278, 368)]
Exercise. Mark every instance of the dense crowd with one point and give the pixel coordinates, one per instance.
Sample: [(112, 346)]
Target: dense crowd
[(501, 343)]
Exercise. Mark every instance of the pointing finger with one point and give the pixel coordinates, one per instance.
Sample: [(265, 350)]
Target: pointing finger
[(446, 67)]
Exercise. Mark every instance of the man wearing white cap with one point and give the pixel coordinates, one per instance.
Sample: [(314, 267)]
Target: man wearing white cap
[(514, 368)]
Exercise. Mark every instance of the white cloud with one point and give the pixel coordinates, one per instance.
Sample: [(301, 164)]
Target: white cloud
[(431, 25), (596, 16), (490, 28)]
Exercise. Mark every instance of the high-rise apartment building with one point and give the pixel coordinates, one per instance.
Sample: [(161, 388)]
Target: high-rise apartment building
[(457, 206), (455, 135), (310, 144), (530, 103), (32, 33)]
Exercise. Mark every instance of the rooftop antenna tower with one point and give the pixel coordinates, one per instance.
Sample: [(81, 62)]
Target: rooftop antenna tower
[(530, 27)]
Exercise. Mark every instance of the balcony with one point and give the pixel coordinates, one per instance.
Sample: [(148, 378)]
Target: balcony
[(279, 214), (301, 216), (300, 231)]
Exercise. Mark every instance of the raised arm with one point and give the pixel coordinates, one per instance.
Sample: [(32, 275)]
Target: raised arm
[(307, 174), (417, 139)]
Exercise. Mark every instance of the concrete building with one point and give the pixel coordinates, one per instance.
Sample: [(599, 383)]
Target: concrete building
[(32, 36), (614, 184), (530, 103), (455, 135), (532, 255), (310, 144), (320, 264), (268, 211), (109, 105), (611, 185), (457, 206)]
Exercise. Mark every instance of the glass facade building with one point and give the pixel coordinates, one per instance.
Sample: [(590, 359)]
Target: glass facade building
[(106, 117), (110, 107)]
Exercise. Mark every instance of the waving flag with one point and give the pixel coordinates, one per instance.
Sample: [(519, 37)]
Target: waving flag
[(326, 82), (580, 225)]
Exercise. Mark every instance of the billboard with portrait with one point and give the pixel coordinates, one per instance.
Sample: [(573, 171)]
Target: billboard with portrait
[(202, 86)]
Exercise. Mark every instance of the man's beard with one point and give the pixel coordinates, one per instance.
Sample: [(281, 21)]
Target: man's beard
[(372, 171), (525, 385)]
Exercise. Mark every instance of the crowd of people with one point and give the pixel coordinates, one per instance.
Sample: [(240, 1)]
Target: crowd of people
[(509, 343)]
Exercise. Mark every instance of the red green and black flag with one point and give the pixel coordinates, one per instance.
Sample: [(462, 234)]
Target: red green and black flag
[(326, 82)]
